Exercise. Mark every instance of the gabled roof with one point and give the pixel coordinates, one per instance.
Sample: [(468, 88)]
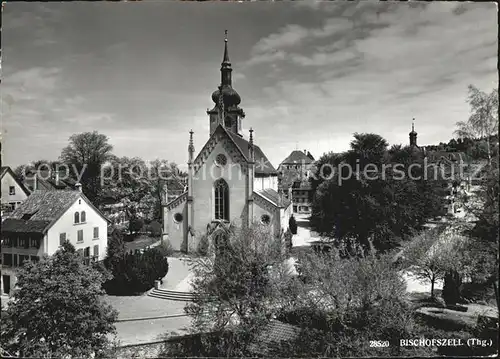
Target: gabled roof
[(45, 180), (6, 169), (298, 157), (45, 206), (263, 167), (272, 197), (273, 334)]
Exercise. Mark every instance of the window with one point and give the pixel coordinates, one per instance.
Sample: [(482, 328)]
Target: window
[(34, 243), (83, 217), (22, 259), (221, 160), (62, 238), (80, 235), (96, 232), (86, 252), (221, 200), (23, 242), (80, 252), (265, 219), (12, 190), (14, 242), (15, 260), (79, 201), (7, 259), (96, 251), (35, 258), (77, 217), (178, 217)]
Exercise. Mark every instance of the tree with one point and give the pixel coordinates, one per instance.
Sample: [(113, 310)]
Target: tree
[(137, 272), (115, 252), (372, 198), (434, 253), (86, 154), (483, 121), (58, 310), (351, 296), (136, 224), (238, 282)]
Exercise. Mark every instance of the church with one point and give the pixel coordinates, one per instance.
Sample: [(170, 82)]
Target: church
[(230, 180)]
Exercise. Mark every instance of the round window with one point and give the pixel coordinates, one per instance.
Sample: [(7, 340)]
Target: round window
[(178, 217), (221, 159), (265, 219)]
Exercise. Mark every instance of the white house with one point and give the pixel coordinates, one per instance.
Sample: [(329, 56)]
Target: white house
[(13, 191), (43, 222)]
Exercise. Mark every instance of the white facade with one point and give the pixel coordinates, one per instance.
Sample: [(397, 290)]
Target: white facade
[(66, 225), (92, 241), (12, 193)]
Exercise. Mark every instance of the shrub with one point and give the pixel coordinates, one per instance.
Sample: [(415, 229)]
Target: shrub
[(203, 245), (165, 248), (154, 228), (292, 225), (135, 224), (137, 272)]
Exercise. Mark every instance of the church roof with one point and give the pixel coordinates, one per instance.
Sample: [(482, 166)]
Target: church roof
[(262, 165), (272, 196), (299, 157)]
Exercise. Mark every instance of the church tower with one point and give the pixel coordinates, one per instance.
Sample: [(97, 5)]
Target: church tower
[(226, 111), (413, 135)]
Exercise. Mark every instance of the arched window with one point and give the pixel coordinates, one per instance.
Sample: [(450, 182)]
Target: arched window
[(83, 216), (221, 200), (77, 217)]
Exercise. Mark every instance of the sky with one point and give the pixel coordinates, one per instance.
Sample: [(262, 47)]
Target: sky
[(310, 74)]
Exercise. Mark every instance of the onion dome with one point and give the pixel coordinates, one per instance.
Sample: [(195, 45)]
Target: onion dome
[(229, 96)]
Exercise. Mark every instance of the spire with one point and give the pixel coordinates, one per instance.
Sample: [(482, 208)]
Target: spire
[(226, 65), (413, 134), (191, 147), (225, 59)]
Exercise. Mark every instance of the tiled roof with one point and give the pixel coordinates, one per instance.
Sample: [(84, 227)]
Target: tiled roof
[(262, 165), (272, 196), (6, 169), (450, 156), (297, 157), (46, 205), (14, 225), (274, 333), (3, 170)]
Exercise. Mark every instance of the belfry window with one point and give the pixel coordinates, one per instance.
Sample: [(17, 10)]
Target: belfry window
[(221, 200)]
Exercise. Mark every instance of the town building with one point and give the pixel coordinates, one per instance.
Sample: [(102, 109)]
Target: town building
[(43, 222), (295, 171), (47, 180), (230, 180), (13, 191)]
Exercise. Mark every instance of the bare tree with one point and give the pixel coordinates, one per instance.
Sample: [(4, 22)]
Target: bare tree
[(483, 121)]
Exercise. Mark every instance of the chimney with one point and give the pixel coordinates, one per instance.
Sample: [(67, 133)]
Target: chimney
[(305, 152), (57, 177), (78, 186)]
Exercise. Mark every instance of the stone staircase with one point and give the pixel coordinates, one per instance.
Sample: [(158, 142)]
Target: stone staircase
[(171, 295)]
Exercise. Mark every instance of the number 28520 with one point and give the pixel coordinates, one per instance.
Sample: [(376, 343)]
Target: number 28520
[(379, 343)]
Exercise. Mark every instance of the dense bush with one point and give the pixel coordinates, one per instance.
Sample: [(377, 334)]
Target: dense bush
[(292, 225), (136, 272), (135, 224), (165, 248)]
